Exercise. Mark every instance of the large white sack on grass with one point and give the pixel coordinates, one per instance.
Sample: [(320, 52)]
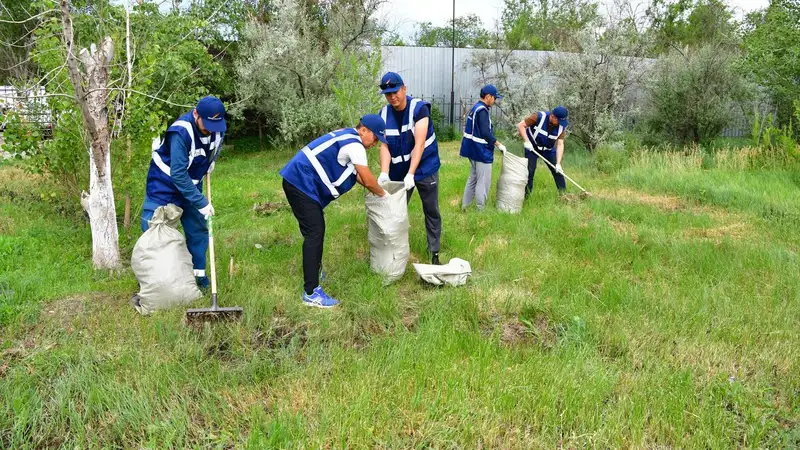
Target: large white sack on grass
[(512, 182), (388, 231), (162, 264), (454, 273)]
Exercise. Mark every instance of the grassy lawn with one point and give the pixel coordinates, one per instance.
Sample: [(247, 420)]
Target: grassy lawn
[(662, 312)]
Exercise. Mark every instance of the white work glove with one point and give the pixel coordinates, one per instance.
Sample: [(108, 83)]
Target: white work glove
[(528, 145), (408, 181), (208, 211), (211, 167), (501, 147), (383, 178), (559, 169)]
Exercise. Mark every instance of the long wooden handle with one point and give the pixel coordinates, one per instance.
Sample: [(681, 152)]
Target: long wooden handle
[(211, 244), (554, 167)]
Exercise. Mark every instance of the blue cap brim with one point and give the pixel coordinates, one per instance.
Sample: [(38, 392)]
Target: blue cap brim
[(391, 90), (215, 126), (563, 122), (498, 96)]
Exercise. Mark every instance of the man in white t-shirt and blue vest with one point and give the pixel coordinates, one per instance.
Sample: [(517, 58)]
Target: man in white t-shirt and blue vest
[(411, 154), (545, 132), (478, 146), (179, 163), (320, 173)]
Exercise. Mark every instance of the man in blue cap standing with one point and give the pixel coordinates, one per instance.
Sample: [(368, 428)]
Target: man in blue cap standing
[(478, 145), (320, 173), (180, 162), (544, 131), (412, 153)]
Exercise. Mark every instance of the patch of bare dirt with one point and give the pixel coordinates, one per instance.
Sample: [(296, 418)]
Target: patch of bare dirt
[(665, 202), (269, 208), (734, 231)]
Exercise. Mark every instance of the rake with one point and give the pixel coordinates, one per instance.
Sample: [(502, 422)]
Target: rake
[(216, 312), (585, 192)]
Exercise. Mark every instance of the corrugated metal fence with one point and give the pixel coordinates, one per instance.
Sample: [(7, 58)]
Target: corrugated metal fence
[(427, 73)]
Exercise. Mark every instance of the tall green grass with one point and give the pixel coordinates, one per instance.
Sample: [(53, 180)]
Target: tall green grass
[(661, 312)]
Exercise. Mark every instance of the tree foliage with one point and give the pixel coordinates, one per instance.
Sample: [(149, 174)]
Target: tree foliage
[(468, 33), (290, 69), (547, 24), (693, 94), (772, 54), (693, 23)]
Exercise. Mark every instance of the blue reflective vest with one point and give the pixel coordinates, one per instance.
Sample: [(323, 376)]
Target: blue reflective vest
[(203, 150), (473, 145), (316, 170), (401, 142), (539, 134)]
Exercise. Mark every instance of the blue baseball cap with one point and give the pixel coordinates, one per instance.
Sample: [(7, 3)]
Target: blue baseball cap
[(390, 82), (375, 123), (490, 89), (212, 111), (561, 114)]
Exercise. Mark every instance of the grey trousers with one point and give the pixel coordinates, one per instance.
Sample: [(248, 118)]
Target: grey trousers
[(429, 194), (478, 184)]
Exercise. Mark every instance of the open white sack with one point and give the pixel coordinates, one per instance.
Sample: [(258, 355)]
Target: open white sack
[(512, 182), (388, 231)]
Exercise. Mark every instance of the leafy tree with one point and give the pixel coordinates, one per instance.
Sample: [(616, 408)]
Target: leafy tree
[(18, 21), (772, 53), (693, 94), (289, 69), (469, 33), (681, 23), (547, 24)]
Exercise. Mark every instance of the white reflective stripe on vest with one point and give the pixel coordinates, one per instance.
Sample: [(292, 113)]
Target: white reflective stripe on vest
[(199, 273), (397, 159), (430, 140), (324, 146), (539, 129), (188, 127), (475, 139), (411, 108), (345, 175), (470, 135), (160, 163), (407, 156), (312, 158)]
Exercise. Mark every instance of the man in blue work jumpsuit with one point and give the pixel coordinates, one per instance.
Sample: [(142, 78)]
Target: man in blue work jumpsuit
[(478, 145), (545, 131), (179, 164), (412, 153)]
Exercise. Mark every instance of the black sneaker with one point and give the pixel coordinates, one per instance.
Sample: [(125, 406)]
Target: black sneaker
[(435, 259), (134, 301)]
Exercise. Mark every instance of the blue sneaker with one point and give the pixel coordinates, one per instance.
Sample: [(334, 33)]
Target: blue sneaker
[(319, 299)]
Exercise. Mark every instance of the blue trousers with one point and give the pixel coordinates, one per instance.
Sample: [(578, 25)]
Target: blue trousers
[(195, 229), (561, 183)]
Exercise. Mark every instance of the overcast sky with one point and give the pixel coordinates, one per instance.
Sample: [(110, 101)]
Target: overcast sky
[(403, 15)]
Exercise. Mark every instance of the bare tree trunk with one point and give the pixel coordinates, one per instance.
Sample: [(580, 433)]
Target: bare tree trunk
[(99, 202), (260, 135)]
